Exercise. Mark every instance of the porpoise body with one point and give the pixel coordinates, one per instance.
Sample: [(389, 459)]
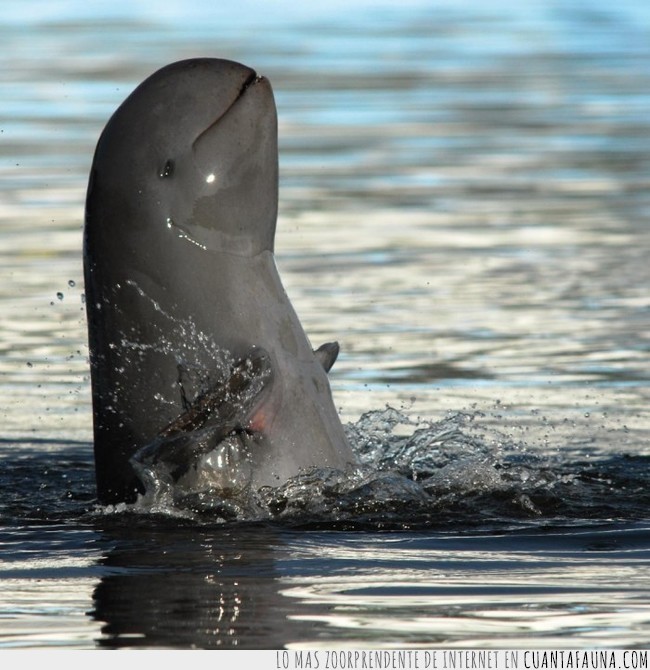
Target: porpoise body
[(183, 294)]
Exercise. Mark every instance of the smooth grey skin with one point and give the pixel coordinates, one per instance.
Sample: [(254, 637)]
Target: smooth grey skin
[(181, 279)]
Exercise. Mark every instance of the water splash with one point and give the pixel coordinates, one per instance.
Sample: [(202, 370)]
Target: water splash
[(211, 444), (416, 473), (185, 343)]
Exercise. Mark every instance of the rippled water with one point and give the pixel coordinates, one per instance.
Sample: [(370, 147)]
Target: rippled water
[(464, 205)]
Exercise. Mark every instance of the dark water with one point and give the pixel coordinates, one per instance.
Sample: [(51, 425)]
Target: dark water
[(464, 206)]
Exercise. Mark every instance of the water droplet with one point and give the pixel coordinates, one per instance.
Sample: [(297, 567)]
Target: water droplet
[(29, 364), (59, 295), (210, 178), (71, 283), (587, 415)]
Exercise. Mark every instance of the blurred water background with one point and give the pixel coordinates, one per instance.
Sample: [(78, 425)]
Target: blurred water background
[(465, 206)]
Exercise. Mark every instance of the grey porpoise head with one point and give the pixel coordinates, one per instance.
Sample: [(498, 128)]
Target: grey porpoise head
[(190, 330)]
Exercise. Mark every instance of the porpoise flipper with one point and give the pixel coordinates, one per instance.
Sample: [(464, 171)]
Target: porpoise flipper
[(222, 411), (327, 354)]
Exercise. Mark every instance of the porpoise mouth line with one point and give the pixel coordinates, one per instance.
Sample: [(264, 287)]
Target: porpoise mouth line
[(250, 81)]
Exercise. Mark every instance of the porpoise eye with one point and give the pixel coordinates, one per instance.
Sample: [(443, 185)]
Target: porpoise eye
[(167, 170)]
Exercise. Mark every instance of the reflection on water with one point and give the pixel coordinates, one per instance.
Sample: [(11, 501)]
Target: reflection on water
[(506, 592), (162, 585), (224, 595), (464, 206)]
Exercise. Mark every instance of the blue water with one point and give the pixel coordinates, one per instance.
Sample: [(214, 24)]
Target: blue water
[(464, 206)]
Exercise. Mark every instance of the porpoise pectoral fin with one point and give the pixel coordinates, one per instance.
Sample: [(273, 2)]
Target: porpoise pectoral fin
[(327, 354), (211, 417)]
